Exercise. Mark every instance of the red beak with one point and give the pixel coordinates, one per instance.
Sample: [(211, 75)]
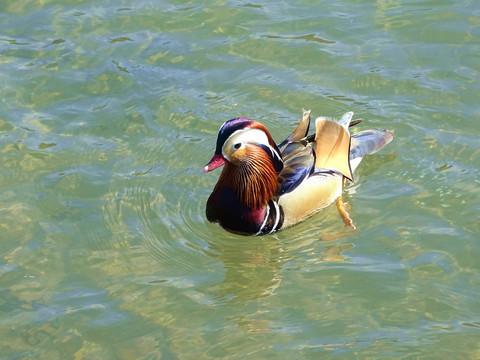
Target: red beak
[(217, 161)]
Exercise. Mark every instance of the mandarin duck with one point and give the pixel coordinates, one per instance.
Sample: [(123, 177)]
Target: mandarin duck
[(265, 187)]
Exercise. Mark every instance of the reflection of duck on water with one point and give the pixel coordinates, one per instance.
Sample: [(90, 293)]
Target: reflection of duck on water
[(255, 269), (252, 269)]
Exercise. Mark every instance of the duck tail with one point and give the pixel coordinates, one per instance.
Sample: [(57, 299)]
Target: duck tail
[(367, 142)]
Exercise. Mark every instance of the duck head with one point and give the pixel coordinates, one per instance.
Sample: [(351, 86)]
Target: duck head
[(249, 178), (237, 139)]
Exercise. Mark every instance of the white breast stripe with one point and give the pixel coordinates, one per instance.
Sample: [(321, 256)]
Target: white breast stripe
[(264, 221), (277, 213)]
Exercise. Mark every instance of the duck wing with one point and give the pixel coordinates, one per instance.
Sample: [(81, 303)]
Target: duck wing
[(332, 147), (299, 133), (298, 160), (325, 151)]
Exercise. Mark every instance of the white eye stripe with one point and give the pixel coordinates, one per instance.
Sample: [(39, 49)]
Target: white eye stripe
[(249, 136), (243, 137)]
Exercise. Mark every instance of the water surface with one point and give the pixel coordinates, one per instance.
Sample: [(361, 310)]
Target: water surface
[(108, 114)]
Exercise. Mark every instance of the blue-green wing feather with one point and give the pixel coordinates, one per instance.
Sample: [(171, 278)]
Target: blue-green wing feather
[(299, 161)]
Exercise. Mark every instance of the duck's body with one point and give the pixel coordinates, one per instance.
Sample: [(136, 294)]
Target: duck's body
[(264, 187)]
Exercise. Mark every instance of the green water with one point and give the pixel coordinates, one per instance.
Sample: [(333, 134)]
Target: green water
[(109, 110)]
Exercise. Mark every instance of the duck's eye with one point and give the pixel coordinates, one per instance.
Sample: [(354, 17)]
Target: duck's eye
[(237, 145)]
